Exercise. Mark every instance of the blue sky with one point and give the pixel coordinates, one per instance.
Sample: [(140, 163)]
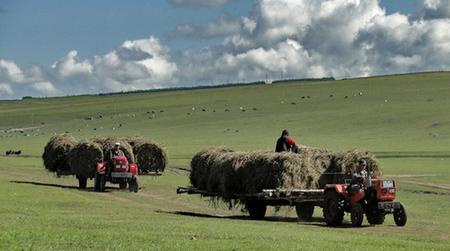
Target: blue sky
[(54, 47), (40, 32)]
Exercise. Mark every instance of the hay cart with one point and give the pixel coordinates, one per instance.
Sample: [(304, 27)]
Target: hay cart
[(374, 200)]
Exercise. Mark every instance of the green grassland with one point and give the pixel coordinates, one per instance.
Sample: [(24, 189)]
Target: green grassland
[(404, 119)]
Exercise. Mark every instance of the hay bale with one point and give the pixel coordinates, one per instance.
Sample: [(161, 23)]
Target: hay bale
[(56, 152), (150, 156), (83, 158), (201, 164), (347, 162), (108, 143)]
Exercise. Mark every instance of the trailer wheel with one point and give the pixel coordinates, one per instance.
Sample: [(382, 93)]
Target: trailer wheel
[(375, 217), (332, 211), (400, 216), (123, 185), (133, 185), (357, 215), (256, 209), (99, 182), (305, 211), (82, 182)]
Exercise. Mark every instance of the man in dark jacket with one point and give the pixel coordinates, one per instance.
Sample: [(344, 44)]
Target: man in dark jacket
[(286, 143)]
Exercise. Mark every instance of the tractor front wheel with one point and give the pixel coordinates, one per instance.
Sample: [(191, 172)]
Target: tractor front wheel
[(400, 217), (305, 211), (357, 215), (375, 217), (99, 182), (332, 211), (133, 185), (256, 209)]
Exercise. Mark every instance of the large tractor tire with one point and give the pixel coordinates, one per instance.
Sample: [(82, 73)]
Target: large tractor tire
[(99, 182), (400, 216), (357, 215), (332, 211), (375, 217), (304, 211), (256, 209), (82, 182), (133, 185)]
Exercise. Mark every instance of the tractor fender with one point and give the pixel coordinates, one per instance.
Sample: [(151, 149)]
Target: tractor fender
[(101, 168), (133, 169), (339, 188)]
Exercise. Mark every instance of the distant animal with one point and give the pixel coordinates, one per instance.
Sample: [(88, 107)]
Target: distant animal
[(9, 152)]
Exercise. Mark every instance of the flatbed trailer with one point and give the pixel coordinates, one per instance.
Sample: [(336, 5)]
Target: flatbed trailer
[(304, 200)]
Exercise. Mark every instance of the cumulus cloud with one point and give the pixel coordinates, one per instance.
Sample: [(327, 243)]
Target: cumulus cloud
[(135, 65), (434, 9), (199, 3), (279, 38), (317, 38)]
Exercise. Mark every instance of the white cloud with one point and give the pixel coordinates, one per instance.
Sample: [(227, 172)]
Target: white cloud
[(45, 88), (434, 9), (279, 38), (5, 90)]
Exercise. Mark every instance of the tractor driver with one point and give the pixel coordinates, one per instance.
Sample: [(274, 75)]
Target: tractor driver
[(115, 151), (360, 178)]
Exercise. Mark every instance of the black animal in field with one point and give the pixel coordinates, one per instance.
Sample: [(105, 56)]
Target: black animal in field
[(11, 152)]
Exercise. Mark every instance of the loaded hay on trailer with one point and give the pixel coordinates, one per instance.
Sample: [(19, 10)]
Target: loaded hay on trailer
[(83, 158), (227, 173), (150, 156), (55, 154)]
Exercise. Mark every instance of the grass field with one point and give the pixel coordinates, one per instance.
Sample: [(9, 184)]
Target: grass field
[(404, 119)]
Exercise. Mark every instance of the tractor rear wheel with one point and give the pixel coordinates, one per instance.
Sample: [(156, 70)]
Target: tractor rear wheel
[(82, 182), (375, 217), (133, 185), (400, 216), (99, 182), (305, 211), (332, 211), (256, 209), (357, 215), (123, 185)]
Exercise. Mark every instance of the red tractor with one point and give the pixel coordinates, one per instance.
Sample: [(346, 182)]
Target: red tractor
[(116, 171), (375, 199)]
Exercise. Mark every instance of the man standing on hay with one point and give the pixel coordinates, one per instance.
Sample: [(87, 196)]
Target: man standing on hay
[(286, 144), (115, 151)]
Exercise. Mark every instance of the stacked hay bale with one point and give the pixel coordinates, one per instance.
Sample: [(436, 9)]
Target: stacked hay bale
[(108, 143), (227, 173), (83, 158), (150, 156), (56, 152)]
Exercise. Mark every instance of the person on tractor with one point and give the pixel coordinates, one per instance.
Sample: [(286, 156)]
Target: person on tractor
[(286, 144), (115, 151), (360, 178)]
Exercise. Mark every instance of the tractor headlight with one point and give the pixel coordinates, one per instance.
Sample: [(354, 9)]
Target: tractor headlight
[(392, 190)]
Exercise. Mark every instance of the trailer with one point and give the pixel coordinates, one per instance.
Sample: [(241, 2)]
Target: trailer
[(373, 198), (304, 200)]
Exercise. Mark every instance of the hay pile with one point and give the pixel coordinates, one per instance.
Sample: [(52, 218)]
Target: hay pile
[(55, 153), (108, 143), (150, 156), (227, 173), (83, 158)]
